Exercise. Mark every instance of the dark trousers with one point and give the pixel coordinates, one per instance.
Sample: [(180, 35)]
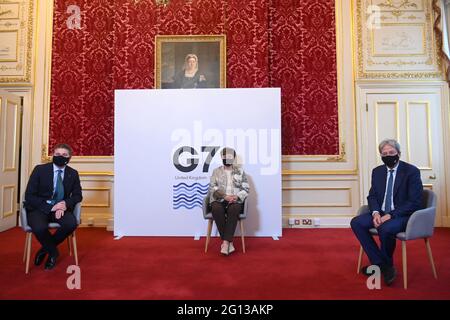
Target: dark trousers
[(383, 255), (38, 221), (226, 217)]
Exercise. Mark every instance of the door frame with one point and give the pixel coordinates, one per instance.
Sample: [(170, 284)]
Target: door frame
[(11, 221), (440, 88)]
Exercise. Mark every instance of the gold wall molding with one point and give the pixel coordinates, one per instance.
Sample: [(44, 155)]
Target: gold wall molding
[(319, 172), (284, 173), (429, 139), (396, 40), (16, 31), (377, 119), (46, 157), (322, 204), (288, 179), (315, 215), (97, 190), (6, 214), (8, 141), (97, 173), (341, 157)]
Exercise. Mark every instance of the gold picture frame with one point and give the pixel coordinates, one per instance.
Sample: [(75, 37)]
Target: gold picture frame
[(17, 19), (190, 61), (395, 40)]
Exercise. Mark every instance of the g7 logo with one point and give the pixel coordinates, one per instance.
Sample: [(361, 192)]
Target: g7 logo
[(193, 162)]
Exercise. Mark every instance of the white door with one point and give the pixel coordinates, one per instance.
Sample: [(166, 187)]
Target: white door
[(10, 114), (414, 120)]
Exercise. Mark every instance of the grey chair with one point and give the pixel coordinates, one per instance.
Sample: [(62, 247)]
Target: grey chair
[(208, 216), (28, 238), (420, 226)]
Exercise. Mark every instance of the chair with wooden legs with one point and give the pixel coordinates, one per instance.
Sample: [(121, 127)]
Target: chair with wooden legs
[(208, 216), (71, 240), (420, 226)]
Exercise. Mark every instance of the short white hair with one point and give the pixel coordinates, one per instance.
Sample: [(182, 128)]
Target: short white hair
[(391, 142)]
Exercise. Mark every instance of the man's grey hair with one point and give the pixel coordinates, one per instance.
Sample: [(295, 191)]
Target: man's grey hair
[(392, 142)]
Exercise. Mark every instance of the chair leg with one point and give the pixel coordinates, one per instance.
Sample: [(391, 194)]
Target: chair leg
[(208, 234), (241, 222), (68, 245), (75, 252), (359, 259), (28, 241), (430, 257), (405, 266), (25, 247)]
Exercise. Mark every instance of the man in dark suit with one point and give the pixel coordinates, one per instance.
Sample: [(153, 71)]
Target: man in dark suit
[(51, 195), (395, 194)]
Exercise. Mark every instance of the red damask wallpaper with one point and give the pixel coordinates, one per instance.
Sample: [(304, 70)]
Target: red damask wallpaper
[(270, 43)]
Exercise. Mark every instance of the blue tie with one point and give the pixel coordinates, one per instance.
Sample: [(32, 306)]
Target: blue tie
[(59, 189), (388, 203)]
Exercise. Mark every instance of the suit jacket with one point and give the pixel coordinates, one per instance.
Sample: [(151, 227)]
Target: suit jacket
[(40, 188), (407, 191)]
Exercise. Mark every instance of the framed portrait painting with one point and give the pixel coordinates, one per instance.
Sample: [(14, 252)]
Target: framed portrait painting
[(190, 62)]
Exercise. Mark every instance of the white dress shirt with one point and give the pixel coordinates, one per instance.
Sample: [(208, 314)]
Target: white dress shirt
[(55, 175), (393, 184)]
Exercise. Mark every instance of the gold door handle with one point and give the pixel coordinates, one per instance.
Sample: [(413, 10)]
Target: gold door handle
[(433, 177)]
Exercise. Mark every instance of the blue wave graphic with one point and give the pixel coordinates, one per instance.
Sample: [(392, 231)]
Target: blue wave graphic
[(199, 201), (189, 196), (181, 193), (192, 185), (188, 202), (205, 188), (187, 206)]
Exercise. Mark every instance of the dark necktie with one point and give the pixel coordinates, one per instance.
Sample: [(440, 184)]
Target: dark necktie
[(388, 203), (59, 189)]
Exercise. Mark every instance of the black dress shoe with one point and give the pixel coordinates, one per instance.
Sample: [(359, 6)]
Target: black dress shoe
[(51, 262), (365, 271), (389, 274), (40, 255)]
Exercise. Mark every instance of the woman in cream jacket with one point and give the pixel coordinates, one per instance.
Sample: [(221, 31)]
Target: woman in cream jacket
[(228, 190)]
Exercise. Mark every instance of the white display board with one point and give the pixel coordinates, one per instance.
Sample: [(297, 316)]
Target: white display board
[(154, 197)]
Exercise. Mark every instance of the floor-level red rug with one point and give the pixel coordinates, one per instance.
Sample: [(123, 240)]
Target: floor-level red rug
[(303, 264)]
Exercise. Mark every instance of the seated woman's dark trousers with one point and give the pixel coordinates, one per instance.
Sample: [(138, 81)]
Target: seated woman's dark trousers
[(226, 217)]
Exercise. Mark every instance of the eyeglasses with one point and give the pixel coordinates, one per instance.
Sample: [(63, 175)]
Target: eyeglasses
[(65, 154), (390, 153)]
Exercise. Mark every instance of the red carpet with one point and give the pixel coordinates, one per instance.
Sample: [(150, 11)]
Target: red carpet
[(303, 264)]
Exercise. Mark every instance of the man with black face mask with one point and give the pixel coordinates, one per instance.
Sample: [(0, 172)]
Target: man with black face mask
[(51, 195), (395, 193)]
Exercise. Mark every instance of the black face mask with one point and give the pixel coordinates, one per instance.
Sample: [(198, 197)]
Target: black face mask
[(227, 162), (60, 161), (390, 161)]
